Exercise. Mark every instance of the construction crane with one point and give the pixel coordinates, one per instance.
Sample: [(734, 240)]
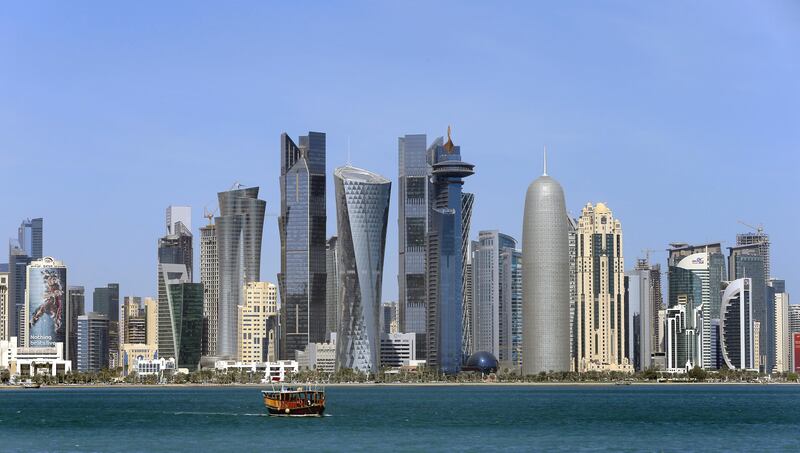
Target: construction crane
[(209, 214), (759, 229), (647, 253)]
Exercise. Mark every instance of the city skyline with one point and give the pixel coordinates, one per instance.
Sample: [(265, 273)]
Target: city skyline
[(695, 136)]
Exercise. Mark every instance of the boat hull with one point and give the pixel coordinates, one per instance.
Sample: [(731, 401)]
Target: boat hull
[(295, 403), (297, 412)]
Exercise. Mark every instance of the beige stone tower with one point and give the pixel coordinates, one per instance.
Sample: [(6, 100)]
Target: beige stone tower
[(255, 334), (601, 317)]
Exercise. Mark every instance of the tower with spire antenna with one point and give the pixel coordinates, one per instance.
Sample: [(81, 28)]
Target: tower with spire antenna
[(545, 267)]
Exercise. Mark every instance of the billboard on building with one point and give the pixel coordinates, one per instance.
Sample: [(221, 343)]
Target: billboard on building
[(796, 343), (47, 306)]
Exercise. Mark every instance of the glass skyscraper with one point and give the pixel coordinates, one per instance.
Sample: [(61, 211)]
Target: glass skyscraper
[(445, 256), (696, 273), (239, 228), (27, 247), (362, 212), (180, 319), (747, 261), (302, 225), (76, 299), (331, 288), (92, 342), (492, 298), (413, 203), (736, 325)]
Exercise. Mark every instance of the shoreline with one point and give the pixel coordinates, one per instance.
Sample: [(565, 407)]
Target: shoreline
[(390, 384)]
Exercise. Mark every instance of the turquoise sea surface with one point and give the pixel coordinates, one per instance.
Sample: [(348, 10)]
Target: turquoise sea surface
[(437, 418)]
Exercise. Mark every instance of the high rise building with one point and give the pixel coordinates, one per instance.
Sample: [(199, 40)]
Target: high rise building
[(572, 245), (511, 297), (446, 255), (302, 224), (362, 214), (761, 240), (736, 326), (467, 201), (602, 319), (641, 342), (747, 261), (180, 318), (151, 316), (657, 299), (209, 277), (26, 248), (175, 214), (76, 299), (683, 335), (783, 338), (545, 267), (331, 288), (696, 273), (388, 316), (239, 227), (106, 301), (413, 205), (256, 340), (18, 260), (133, 322), (30, 237), (4, 303), (45, 310), (468, 305), (92, 342), (492, 299)]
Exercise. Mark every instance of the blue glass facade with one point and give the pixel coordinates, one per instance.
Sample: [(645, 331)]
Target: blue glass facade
[(445, 257), (302, 280)]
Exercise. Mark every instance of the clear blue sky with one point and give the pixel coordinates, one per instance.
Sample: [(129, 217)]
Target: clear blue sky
[(682, 116)]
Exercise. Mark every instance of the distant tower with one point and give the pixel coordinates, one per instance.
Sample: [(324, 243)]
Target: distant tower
[(362, 213), (180, 318), (737, 333), (4, 303), (239, 228), (492, 301), (331, 288), (209, 277), (45, 311), (177, 214), (412, 220), (602, 318), (545, 266), (76, 298), (92, 335), (446, 254), (25, 248), (301, 226), (748, 261)]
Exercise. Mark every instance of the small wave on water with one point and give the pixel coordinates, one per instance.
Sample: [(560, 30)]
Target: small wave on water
[(219, 413)]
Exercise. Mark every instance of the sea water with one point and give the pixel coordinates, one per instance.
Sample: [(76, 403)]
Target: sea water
[(391, 418)]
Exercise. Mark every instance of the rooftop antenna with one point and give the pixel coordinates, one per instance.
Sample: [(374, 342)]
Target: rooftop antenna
[(349, 162), (545, 161)]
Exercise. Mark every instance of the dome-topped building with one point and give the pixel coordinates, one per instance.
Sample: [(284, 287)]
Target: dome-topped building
[(545, 267)]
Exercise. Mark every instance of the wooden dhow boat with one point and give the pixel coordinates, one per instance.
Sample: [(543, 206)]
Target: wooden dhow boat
[(294, 401)]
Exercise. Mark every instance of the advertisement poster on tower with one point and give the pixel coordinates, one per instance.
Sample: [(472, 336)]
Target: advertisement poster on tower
[(46, 306)]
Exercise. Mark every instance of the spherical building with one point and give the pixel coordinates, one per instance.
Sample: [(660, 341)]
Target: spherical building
[(545, 285), (483, 362)]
